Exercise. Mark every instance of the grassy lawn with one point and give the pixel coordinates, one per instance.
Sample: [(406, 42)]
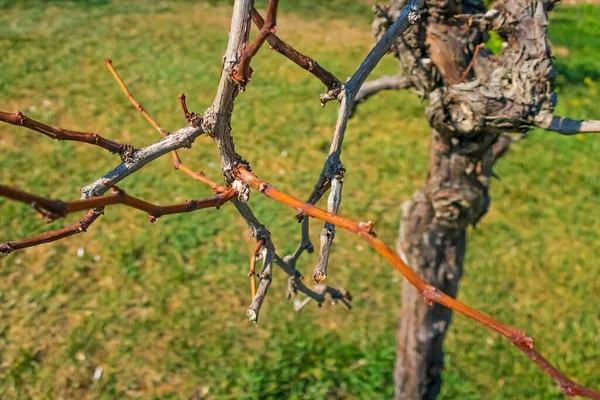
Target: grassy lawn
[(160, 307)]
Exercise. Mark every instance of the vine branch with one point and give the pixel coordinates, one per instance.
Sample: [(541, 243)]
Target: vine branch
[(327, 78), (429, 293), (20, 119), (54, 209)]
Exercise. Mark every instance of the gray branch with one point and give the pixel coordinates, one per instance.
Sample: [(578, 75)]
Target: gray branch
[(333, 168), (408, 17), (318, 293), (305, 245), (259, 232), (182, 138), (387, 82), (328, 232), (568, 126), (265, 281)]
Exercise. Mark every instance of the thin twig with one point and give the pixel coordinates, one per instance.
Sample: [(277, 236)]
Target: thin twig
[(471, 64), (200, 176), (138, 106), (133, 101), (20, 119)]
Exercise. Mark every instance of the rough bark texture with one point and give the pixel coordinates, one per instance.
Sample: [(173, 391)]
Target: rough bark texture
[(474, 98), (473, 104)]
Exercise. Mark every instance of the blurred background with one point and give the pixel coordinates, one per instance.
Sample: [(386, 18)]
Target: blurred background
[(138, 310)]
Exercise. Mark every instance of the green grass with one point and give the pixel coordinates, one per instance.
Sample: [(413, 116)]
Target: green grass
[(160, 307)]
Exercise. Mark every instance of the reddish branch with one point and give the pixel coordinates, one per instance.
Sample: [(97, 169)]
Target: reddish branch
[(81, 226), (192, 118), (53, 209), (55, 133), (242, 72), (429, 293), (298, 58)]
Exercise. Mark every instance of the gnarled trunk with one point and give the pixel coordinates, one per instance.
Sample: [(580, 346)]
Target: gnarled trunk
[(432, 240), (475, 98)]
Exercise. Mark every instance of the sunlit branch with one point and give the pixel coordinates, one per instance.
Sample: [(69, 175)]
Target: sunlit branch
[(333, 168), (242, 72), (429, 293), (53, 209), (568, 126), (20, 119), (305, 62), (52, 236)]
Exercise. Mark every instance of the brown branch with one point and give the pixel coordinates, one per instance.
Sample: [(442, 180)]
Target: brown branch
[(329, 80), (242, 72), (192, 118), (471, 64), (53, 209), (20, 119), (81, 226), (430, 294)]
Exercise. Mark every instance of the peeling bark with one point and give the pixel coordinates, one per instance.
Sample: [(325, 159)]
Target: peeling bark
[(474, 100)]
